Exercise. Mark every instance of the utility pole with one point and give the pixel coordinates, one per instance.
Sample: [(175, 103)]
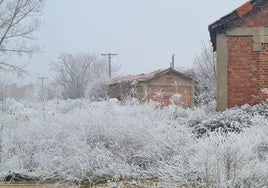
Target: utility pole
[(109, 56), (42, 81)]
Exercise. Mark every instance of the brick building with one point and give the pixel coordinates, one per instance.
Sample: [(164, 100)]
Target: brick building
[(162, 86), (241, 42)]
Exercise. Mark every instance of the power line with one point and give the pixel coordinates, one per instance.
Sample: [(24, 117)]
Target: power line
[(109, 56)]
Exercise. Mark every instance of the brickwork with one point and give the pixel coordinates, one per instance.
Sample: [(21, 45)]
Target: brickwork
[(161, 89), (247, 69), (256, 18), (169, 85), (243, 70), (240, 39), (263, 71)]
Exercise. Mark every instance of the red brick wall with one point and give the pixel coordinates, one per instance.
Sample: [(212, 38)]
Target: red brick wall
[(256, 18), (242, 71), (185, 92), (263, 61), (247, 70), (164, 85)]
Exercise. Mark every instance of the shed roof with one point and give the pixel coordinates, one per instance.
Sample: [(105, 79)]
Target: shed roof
[(146, 77), (222, 24)]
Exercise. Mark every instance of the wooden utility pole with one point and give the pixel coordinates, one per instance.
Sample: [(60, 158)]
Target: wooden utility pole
[(109, 56), (42, 81)]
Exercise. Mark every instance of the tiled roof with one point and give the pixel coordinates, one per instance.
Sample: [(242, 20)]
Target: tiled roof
[(135, 78), (145, 77)]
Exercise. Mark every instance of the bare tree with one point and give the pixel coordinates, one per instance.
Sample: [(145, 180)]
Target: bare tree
[(75, 74), (18, 21), (205, 62), (2, 94), (204, 72), (2, 108)]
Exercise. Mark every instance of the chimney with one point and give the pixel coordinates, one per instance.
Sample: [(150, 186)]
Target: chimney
[(172, 62)]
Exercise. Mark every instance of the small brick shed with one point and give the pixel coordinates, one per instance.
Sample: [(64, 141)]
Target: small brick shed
[(160, 86), (240, 40)]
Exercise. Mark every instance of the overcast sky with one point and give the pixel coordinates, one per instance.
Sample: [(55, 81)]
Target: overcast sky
[(145, 33)]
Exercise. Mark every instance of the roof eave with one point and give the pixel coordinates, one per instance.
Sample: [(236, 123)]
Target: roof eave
[(168, 70), (155, 76), (221, 25)]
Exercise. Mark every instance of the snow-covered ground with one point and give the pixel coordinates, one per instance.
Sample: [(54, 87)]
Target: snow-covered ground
[(79, 140)]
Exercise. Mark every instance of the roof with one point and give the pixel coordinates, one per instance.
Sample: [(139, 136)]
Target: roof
[(145, 77), (221, 25)]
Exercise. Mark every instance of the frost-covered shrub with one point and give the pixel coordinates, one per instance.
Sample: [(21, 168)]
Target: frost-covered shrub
[(175, 99), (97, 90), (228, 121), (94, 141), (233, 120), (69, 105)]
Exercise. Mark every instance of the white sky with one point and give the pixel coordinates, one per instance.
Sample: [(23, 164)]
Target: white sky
[(145, 33)]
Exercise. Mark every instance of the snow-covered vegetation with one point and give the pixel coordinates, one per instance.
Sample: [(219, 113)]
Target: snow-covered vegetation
[(79, 140), (203, 71)]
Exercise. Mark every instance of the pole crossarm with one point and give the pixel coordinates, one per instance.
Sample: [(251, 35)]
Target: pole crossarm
[(109, 56), (42, 80)]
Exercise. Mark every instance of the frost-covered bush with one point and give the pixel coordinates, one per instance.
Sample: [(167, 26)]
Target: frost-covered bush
[(97, 90), (233, 120), (94, 141), (203, 71)]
